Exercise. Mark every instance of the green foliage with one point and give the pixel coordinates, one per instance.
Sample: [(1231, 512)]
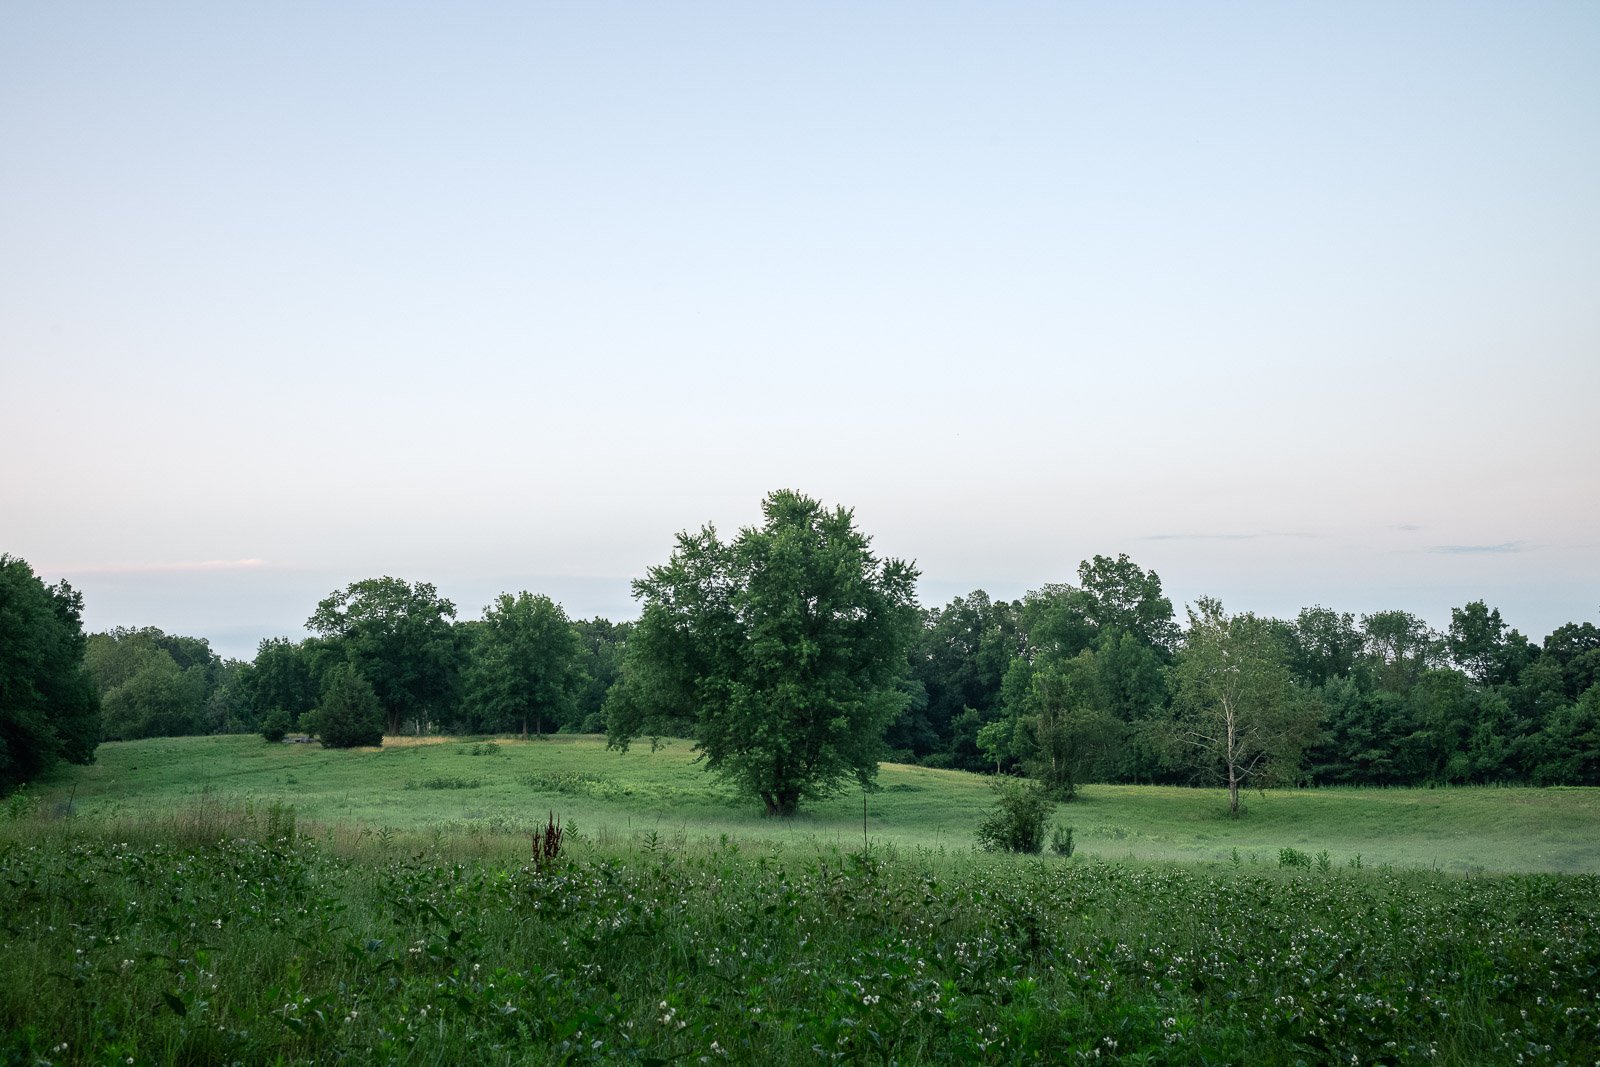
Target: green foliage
[(524, 667), (785, 646), (1237, 706), (1399, 647), (399, 636), (48, 707), (602, 646), (349, 714), (1017, 823), (220, 935), (275, 726), (1061, 841), (1481, 644), (286, 675), (1293, 857), (1062, 732), (1325, 645), (1123, 599), (154, 684), (1573, 738), (959, 660)]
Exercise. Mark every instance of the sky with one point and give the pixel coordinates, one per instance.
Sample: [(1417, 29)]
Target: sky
[(1294, 304)]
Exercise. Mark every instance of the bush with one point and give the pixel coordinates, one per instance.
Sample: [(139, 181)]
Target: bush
[(350, 714), (275, 727), (1293, 857), (1021, 811), (1061, 841)]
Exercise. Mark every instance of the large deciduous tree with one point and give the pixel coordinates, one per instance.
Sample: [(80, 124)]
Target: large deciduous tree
[(525, 666), (400, 637), (1482, 645), (1063, 729), (285, 677), (1235, 701), (1121, 597), (785, 647), (49, 709)]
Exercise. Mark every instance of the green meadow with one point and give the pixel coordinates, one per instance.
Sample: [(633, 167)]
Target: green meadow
[(503, 787), (225, 901)]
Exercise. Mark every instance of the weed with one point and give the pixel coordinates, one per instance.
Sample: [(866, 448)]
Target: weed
[(547, 842), (1293, 857), (1061, 841), (163, 949)]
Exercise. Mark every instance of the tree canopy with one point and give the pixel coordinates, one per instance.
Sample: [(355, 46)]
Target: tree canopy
[(399, 636), (49, 710), (525, 666), (785, 647), (1235, 701)]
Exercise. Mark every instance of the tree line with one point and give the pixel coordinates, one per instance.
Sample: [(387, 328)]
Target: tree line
[(798, 659)]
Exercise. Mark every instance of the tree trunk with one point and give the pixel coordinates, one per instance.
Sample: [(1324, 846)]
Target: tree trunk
[(781, 803), (1233, 761)]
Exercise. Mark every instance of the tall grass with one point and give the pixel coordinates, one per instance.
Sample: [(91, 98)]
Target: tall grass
[(242, 933)]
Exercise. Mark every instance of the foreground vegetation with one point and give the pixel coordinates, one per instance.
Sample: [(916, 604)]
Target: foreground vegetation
[(236, 934)]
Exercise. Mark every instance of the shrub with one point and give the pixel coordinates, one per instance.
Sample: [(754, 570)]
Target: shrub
[(1061, 841), (1021, 811), (350, 714), (275, 727), (1293, 857)]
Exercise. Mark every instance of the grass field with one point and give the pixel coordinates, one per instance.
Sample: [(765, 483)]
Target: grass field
[(506, 786), (221, 900)]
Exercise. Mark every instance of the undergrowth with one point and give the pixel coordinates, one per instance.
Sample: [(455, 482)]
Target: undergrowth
[(237, 933)]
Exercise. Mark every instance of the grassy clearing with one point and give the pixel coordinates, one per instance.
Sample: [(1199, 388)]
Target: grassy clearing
[(504, 786), (220, 934)]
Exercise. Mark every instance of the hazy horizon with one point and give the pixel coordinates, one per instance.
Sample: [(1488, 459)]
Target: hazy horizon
[(1291, 305)]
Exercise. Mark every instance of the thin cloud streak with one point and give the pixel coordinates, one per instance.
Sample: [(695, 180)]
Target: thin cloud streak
[(1478, 550)]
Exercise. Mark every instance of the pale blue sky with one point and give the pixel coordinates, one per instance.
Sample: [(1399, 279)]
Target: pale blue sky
[(1292, 303)]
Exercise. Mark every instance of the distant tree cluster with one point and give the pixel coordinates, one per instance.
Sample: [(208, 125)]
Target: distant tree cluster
[(797, 660), (154, 684), (1095, 682)]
